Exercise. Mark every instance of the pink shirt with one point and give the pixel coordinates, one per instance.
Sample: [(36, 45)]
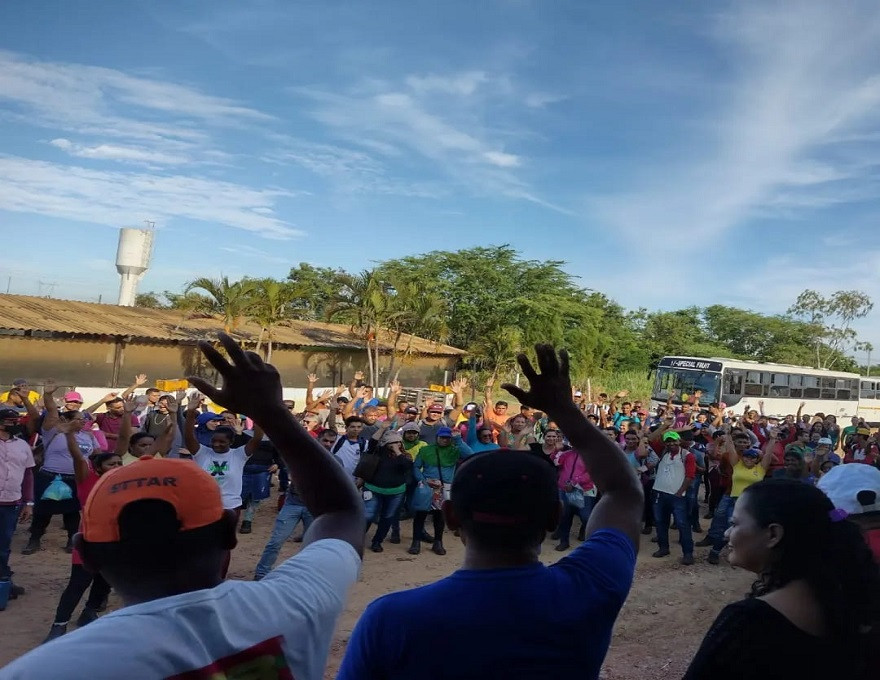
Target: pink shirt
[(571, 467), (15, 457)]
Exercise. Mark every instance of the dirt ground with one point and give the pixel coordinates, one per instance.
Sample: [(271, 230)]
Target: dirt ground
[(661, 625)]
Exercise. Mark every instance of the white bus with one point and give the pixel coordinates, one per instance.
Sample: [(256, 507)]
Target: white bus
[(781, 387), (869, 401)]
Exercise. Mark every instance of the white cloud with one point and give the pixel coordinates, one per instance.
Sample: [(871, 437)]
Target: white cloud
[(800, 81), (115, 198), (458, 84), (115, 152), (501, 159)]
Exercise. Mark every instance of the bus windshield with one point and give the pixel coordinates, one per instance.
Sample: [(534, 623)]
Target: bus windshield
[(685, 382)]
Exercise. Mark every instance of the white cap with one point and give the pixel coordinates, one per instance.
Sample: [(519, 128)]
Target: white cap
[(843, 483)]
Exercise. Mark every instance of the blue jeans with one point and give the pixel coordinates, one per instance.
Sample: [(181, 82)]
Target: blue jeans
[(8, 520), (568, 514), (288, 517), (383, 509), (720, 522), (666, 505)]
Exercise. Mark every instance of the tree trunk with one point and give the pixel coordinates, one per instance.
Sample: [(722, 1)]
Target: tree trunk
[(370, 358), (259, 340), (269, 350), (403, 358), (392, 363), (376, 361)]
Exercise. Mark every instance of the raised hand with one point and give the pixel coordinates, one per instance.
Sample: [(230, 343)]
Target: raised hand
[(140, 379), (621, 394), (490, 381), (551, 388), (358, 375), (250, 385), (394, 385), (312, 378), (172, 404), (180, 395), (130, 403), (339, 390), (326, 394), (50, 388), (195, 401)]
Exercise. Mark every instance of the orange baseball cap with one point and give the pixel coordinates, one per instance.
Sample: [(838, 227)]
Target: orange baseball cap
[(192, 491)]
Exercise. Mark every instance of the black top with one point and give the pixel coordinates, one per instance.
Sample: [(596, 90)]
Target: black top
[(391, 471), (750, 640)]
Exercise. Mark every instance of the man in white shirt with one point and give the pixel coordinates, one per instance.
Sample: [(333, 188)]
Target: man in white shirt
[(158, 532), (220, 460)]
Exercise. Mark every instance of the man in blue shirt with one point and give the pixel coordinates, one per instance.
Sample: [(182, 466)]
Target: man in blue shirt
[(505, 614)]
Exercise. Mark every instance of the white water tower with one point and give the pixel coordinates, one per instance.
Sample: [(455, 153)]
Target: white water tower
[(132, 260)]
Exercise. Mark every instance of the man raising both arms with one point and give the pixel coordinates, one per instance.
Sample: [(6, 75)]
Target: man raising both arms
[(156, 530), (505, 614)]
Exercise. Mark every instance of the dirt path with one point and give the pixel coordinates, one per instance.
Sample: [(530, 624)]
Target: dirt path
[(667, 614)]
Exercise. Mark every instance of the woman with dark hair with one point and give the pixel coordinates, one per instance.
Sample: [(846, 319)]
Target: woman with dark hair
[(87, 471), (385, 473), (814, 611), (131, 447), (58, 467)]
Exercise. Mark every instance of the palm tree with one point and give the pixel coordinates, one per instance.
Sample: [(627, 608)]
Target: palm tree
[(270, 300), (365, 304), (420, 313), (227, 299)]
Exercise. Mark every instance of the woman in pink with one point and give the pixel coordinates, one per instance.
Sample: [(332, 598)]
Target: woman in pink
[(87, 470), (576, 491)]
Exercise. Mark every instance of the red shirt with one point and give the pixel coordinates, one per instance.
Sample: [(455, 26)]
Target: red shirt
[(83, 489)]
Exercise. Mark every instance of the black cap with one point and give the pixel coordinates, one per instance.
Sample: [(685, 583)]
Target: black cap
[(9, 414)]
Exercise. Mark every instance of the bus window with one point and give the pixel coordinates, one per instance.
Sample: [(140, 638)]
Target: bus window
[(753, 387), (827, 388), (733, 382), (778, 385), (811, 387), (795, 386)]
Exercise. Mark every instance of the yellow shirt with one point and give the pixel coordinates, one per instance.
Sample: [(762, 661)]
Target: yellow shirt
[(32, 397), (744, 477)]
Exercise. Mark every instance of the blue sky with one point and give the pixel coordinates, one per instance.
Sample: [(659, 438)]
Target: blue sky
[(672, 153)]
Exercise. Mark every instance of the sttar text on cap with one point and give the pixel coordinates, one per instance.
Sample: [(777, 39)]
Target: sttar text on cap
[(190, 490)]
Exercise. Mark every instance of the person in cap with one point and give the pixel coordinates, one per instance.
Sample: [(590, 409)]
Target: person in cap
[(862, 448), (855, 490), (748, 466), (814, 610), (157, 531), (434, 466), (505, 614), (87, 471), (675, 472), (13, 398), (795, 467), (433, 421), (58, 465), (16, 490), (222, 460), (387, 468)]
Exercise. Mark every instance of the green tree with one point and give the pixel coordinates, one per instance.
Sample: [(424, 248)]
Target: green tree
[(228, 299), (149, 300), (269, 304), (831, 319), (313, 289)]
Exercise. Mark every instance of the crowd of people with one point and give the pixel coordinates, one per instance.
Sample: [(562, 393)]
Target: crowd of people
[(152, 489)]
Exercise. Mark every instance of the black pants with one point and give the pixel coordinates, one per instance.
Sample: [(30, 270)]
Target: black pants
[(39, 524), (80, 580), (419, 524)]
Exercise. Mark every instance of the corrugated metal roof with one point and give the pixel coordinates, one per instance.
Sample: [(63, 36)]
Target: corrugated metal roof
[(25, 313)]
